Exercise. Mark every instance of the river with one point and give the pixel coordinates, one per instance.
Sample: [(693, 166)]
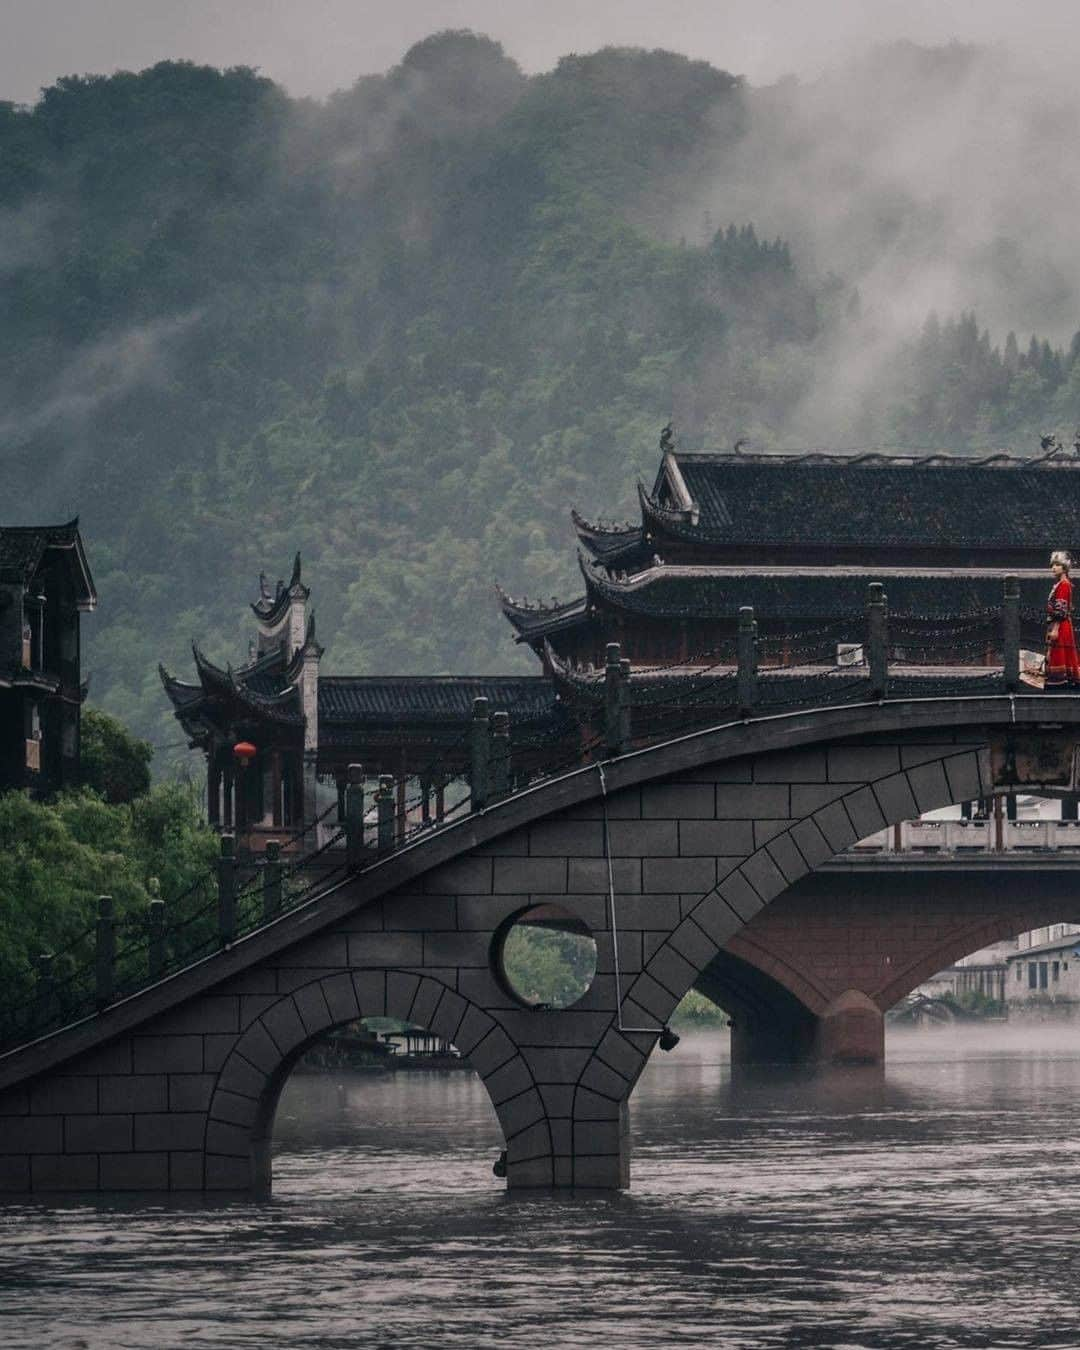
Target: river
[(938, 1207)]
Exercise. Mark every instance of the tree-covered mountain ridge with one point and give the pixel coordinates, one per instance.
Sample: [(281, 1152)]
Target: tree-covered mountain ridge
[(403, 332)]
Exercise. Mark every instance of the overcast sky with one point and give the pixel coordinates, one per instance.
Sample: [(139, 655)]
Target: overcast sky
[(316, 46)]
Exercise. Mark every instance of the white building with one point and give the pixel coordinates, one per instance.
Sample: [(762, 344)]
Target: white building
[(1044, 978)]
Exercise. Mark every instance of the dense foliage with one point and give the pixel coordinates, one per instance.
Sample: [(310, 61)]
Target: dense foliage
[(112, 761), (59, 857), (548, 967), (403, 332)]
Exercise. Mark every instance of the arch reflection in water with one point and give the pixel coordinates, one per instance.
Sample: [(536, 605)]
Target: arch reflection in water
[(376, 1131)]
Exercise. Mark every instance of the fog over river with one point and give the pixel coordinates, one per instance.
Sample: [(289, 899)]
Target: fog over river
[(935, 1207)]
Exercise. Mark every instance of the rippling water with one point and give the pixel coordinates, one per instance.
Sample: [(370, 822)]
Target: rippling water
[(936, 1208)]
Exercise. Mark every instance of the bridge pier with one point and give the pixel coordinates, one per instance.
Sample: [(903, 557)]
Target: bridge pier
[(851, 1031)]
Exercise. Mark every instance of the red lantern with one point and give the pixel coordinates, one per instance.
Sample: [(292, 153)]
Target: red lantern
[(244, 752)]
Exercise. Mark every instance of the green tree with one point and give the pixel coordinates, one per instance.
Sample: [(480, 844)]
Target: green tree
[(58, 857), (112, 761)]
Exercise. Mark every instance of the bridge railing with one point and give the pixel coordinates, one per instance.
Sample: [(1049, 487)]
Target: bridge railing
[(614, 710), (962, 837)]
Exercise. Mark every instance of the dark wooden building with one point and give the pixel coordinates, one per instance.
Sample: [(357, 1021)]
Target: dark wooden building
[(798, 537), (45, 584), (306, 728)]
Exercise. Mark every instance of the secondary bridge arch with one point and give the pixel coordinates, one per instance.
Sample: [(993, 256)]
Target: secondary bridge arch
[(242, 1106), (702, 834)]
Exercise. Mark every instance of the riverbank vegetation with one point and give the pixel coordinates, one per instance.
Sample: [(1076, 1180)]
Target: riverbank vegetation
[(58, 857)]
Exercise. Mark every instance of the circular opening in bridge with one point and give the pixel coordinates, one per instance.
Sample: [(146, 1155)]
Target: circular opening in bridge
[(546, 957)]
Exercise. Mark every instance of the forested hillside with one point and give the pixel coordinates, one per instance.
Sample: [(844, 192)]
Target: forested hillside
[(405, 330)]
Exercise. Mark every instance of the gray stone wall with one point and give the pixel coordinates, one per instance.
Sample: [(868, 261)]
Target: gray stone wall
[(186, 1101)]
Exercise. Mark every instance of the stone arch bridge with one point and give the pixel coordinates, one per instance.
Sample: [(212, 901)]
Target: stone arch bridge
[(717, 847)]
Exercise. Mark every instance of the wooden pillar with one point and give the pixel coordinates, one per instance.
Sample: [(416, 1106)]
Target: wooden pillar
[(229, 775), (213, 787), (399, 810), (425, 801), (440, 799), (241, 790), (746, 657), (275, 787), (999, 832)]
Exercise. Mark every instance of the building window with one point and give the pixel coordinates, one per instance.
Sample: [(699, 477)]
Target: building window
[(1055, 971), (1044, 973), (1033, 975), (1019, 972), (32, 730)]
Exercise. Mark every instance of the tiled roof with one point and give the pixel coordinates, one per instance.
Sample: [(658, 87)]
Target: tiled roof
[(879, 500), (344, 698), (537, 619), (780, 593), (1069, 940), (22, 548), (271, 605), (608, 543)]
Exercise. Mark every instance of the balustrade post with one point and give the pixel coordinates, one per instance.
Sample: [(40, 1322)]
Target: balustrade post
[(226, 876), (500, 756), (746, 676), (614, 702), (155, 945), (384, 803), (625, 722), (271, 881), (1010, 633), (479, 755), (354, 816), (105, 953), (877, 645)]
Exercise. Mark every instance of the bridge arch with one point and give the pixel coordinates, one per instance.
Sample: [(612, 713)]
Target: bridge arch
[(240, 1116), (769, 1023), (702, 835), (803, 807)]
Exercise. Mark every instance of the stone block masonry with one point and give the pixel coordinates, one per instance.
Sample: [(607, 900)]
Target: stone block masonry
[(704, 850)]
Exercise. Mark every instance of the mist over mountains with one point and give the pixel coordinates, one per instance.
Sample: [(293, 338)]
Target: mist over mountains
[(404, 330)]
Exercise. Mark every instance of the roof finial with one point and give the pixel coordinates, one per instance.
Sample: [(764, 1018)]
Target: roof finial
[(294, 580), (667, 438), (1049, 441), (738, 446)]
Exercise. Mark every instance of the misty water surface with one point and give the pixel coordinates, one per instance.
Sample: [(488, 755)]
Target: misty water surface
[(934, 1208)]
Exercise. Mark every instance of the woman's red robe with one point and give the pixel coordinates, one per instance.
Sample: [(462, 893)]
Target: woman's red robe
[(1062, 663)]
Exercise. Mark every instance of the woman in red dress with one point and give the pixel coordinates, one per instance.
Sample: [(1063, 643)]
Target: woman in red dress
[(1062, 664)]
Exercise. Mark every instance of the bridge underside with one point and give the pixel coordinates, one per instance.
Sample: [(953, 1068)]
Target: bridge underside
[(710, 842), (811, 976)]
